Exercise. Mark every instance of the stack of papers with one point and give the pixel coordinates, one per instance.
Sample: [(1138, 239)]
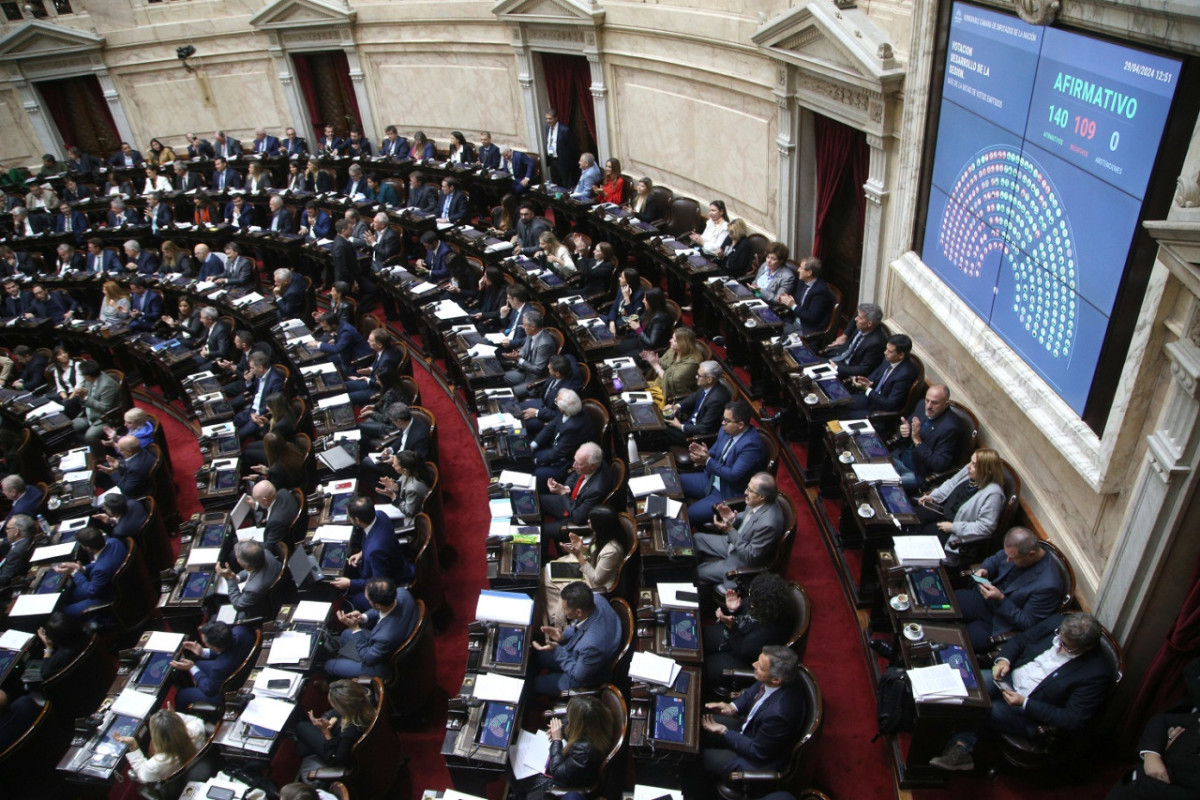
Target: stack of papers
[(643, 485), (653, 668), (940, 683), (132, 703), (668, 595), (516, 480), (918, 551), (289, 647), (872, 473), (311, 611), (333, 533), (73, 460), (498, 421), (14, 640), (163, 642), (641, 792), (490, 686), (505, 608), (268, 674), (267, 712), (529, 754)]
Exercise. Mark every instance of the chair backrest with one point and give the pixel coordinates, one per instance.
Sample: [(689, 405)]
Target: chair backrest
[(664, 196), (126, 395), (171, 785), (834, 312), (625, 615), (629, 543), (559, 339), (433, 503), (601, 423), (783, 548), (684, 216), (1012, 496), (368, 323), (1065, 571), (299, 527), (675, 311), (14, 758), (798, 770), (771, 446), (618, 475), (373, 762), (801, 619), (917, 391), (427, 415), (585, 374), (78, 688), (410, 390), (758, 245), (239, 675), (404, 366)]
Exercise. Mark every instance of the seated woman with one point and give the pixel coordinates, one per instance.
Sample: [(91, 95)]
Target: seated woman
[(739, 258), (174, 741), (675, 371), (317, 179), (762, 618), (176, 259), (464, 283), (628, 300), (654, 330), (285, 461), (556, 253), (492, 296), (644, 206), (504, 217), (774, 277), (114, 186), (461, 151), (599, 563), (257, 178), (114, 308), (716, 229), (612, 189), (410, 491), (966, 507), (187, 326), (420, 147), (64, 376), (159, 154), (339, 305), (326, 741), (577, 750), (63, 640), (595, 269)]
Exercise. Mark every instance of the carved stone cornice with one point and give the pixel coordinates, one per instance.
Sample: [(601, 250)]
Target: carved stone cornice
[(1038, 12), (1179, 250)]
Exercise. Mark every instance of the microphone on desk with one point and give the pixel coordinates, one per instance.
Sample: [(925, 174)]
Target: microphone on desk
[(460, 703)]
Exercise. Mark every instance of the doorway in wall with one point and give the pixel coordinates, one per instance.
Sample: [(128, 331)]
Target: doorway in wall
[(842, 161), (324, 80), (568, 86), (81, 114)]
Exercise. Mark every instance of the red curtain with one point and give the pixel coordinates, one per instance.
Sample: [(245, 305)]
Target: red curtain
[(305, 78), (341, 66), (81, 114), (835, 146), (569, 82), (1162, 683)]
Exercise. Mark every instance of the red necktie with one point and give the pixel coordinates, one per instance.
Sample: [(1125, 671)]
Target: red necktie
[(578, 483)]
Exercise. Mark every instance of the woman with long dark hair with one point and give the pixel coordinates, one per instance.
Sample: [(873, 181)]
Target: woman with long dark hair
[(599, 562)]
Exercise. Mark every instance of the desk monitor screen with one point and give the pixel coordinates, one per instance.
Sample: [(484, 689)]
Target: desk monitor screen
[(155, 671), (212, 535), (803, 355), (565, 571), (227, 479), (195, 586), (510, 645), (518, 447), (670, 479), (928, 590), (683, 630), (526, 558), (337, 509), (7, 657), (50, 582), (333, 557), (767, 315), (108, 750), (523, 502), (834, 389), (497, 724), (678, 533), (895, 500), (871, 446), (643, 413), (956, 656), (259, 732), (668, 719)]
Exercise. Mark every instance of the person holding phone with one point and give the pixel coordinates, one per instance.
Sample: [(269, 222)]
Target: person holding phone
[(965, 508), (599, 562), (175, 739)]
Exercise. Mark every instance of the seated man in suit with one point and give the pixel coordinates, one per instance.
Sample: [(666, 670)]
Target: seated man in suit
[(382, 240), (580, 655), (265, 380), (420, 196), (100, 396), (210, 662), (758, 729), (529, 363), (212, 265), (57, 306), (811, 303), (69, 259), (699, 414), (393, 145), (371, 639), (32, 365), (859, 349), (386, 358), (1023, 587), (239, 270), (527, 236), (186, 180), (238, 213), (138, 261), (218, 338), (26, 224), (381, 556), (435, 265), (26, 498), (589, 179), (280, 218), (330, 144), (226, 146), (569, 502), (452, 203), (224, 177), (130, 473), (263, 144), (70, 220), (315, 224), (356, 186), (554, 448), (275, 512), (1055, 673), (126, 158), (199, 148), (521, 166), (885, 389), (929, 439), (563, 373), (21, 535), (291, 294), (357, 144), (125, 516), (344, 342), (99, 259), (744, 540), (17, 302), (291, 144), (158, 213), (487, 154), (250, 589), (145, 306), (1169, 750), (728, 465), (120, 214), (92, 585)]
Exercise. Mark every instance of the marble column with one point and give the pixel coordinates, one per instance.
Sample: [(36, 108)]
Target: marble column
[(357, 80), (786, 210), (48, 134), (600, 107), (114, 105), (873, 275), (529, 100)]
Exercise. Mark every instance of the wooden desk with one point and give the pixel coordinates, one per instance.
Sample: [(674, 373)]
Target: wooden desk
[(473, 764), (655, 626), (642, 710)]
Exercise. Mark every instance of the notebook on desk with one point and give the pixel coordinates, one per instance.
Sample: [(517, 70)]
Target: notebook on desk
[(526, 558), (677, 535)]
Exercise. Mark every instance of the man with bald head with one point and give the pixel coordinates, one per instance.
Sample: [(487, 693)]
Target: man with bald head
[(131, 471), (275, 512), (929, 439)]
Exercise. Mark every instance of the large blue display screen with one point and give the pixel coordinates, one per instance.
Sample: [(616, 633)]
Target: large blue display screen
[(1045, 145)]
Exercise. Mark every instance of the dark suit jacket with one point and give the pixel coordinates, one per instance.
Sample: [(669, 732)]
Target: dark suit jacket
[(322, 228), (239, 272), (107, 262), (293, 299), (940, 439), (652, 211), (250, 594), (211, 673), (489, 156), (567, 159), (893, 394), (79, 224), (387, 360), (162, 215), (292, 147), (213, 267), (28, 503), (333, 145), (17, 719), (382, 556), (278, 525), (744, 459), (547, 411), (282, 222), (274, 383), (131, 216), (418, 437), (558, 441), (16, 306), (150, 304), (16, 561), (587, 648), (595, 277), (232, 179), (94, 582), (131, 522), (635, 306), (190, 181), (813, 313), (1183, 766), (202, 149), (522, 167), (713, 408), (866, 356), (118, 160), (1030, 594), (78, 263), (132, 476), (379, 638), (397, 149), (34, 373), (458, 207), (424, 198), (594, 491), (769, 736), (232, 148), (387, 245), (1071, 695), (266, 145), (242, 220), (147, 263), (345, 260)]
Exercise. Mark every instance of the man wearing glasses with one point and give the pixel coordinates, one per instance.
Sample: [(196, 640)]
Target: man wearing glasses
[(743, 540), (1052, 674), (737, 454)]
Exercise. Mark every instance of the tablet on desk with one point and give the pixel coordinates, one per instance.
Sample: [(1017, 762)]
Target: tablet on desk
[(525, 558), (497, 724), (212, 535), (109, 751), (894, 499), (337, 508), (155, 671), (678, 534), (668, 719), (7, 659), (565, 571), (683, 630), (523, 502), (928, 590), (195, 586), (51, 582), (333, 557), (956, 656), (871, 445), (510, 645)]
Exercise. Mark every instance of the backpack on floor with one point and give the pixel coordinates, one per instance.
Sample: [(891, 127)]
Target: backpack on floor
[(895, 709)]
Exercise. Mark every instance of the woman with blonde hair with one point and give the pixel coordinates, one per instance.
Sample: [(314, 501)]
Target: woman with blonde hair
[(675, 371), (114, 308), (257, 178), (557, 253), (326, 741), (966, 507), (174, 740)]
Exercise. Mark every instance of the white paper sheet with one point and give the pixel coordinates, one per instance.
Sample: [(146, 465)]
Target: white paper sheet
[(50, 552), (163, 642), (643, 485), (918, 549), (668, 595), (490, 686), (132, 703), (517, 480), (29, 605), (311, 611), (500, 508), (74, 460), (267, 712), (876, 472), (529, 754), (938, 681), (203, 556), (642, 792), (334, 400), (503, 607), (653, 668), (333, 533), (289, 647), (14, 640), (268, 674)]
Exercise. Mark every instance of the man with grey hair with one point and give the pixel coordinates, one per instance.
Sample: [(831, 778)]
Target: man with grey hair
[(356, 187), (1016, 588), (291, 294), (699, 414), (281, 218), (250, 589), (20, 536), (743, 540), (382, 240), (139, 261), (757, 730), (264, 145), (589, 179), (1054, 674), (218, 339), (100, 397), (557, 442), (25, 498), (859, 349), (119, 214), (569, 502), (534, 355), (26, 224)]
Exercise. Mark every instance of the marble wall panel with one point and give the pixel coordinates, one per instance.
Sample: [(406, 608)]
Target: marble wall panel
[(19, 145)]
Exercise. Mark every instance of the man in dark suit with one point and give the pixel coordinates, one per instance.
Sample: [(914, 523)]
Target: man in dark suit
[(127, 158), (100, 260), (529, 362), (569, 502), (224, 177), (743, 540), (81, 166), (812, 302), (20, 536), (158, 213), (315, 224), (69, 259), (563, 373), (387, 359), (488, 154), (280, 217), (93, 584), (25, 498), (371, 639), (562, 155), (699, 414), (758, 729), (356, 185), (125, 516), (381, 555), (131, 472), (212, 266), (737, 454), (887, 388), (522, 167), (186, 180), (250, 589), (345, 343), (17, 301), (238, 213), (218, 343), (263, 144), (56, 306), (382, 240), (70, 220), (343, 256), (32, 363), (290, 295), (210, 662), (139, 261), (414, 432), (357, 145), (452, 204), (1023, 586), (16, 264), (265, 380), (275, 512), (291, 144), (120, 214), (929, 440), (1169, 751), (580, 655), (1055, 673), (330, 144), (420, 196), (555, 446), (859, 349), (239, 270), (393, 145), (199, 148), (226, 146)]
